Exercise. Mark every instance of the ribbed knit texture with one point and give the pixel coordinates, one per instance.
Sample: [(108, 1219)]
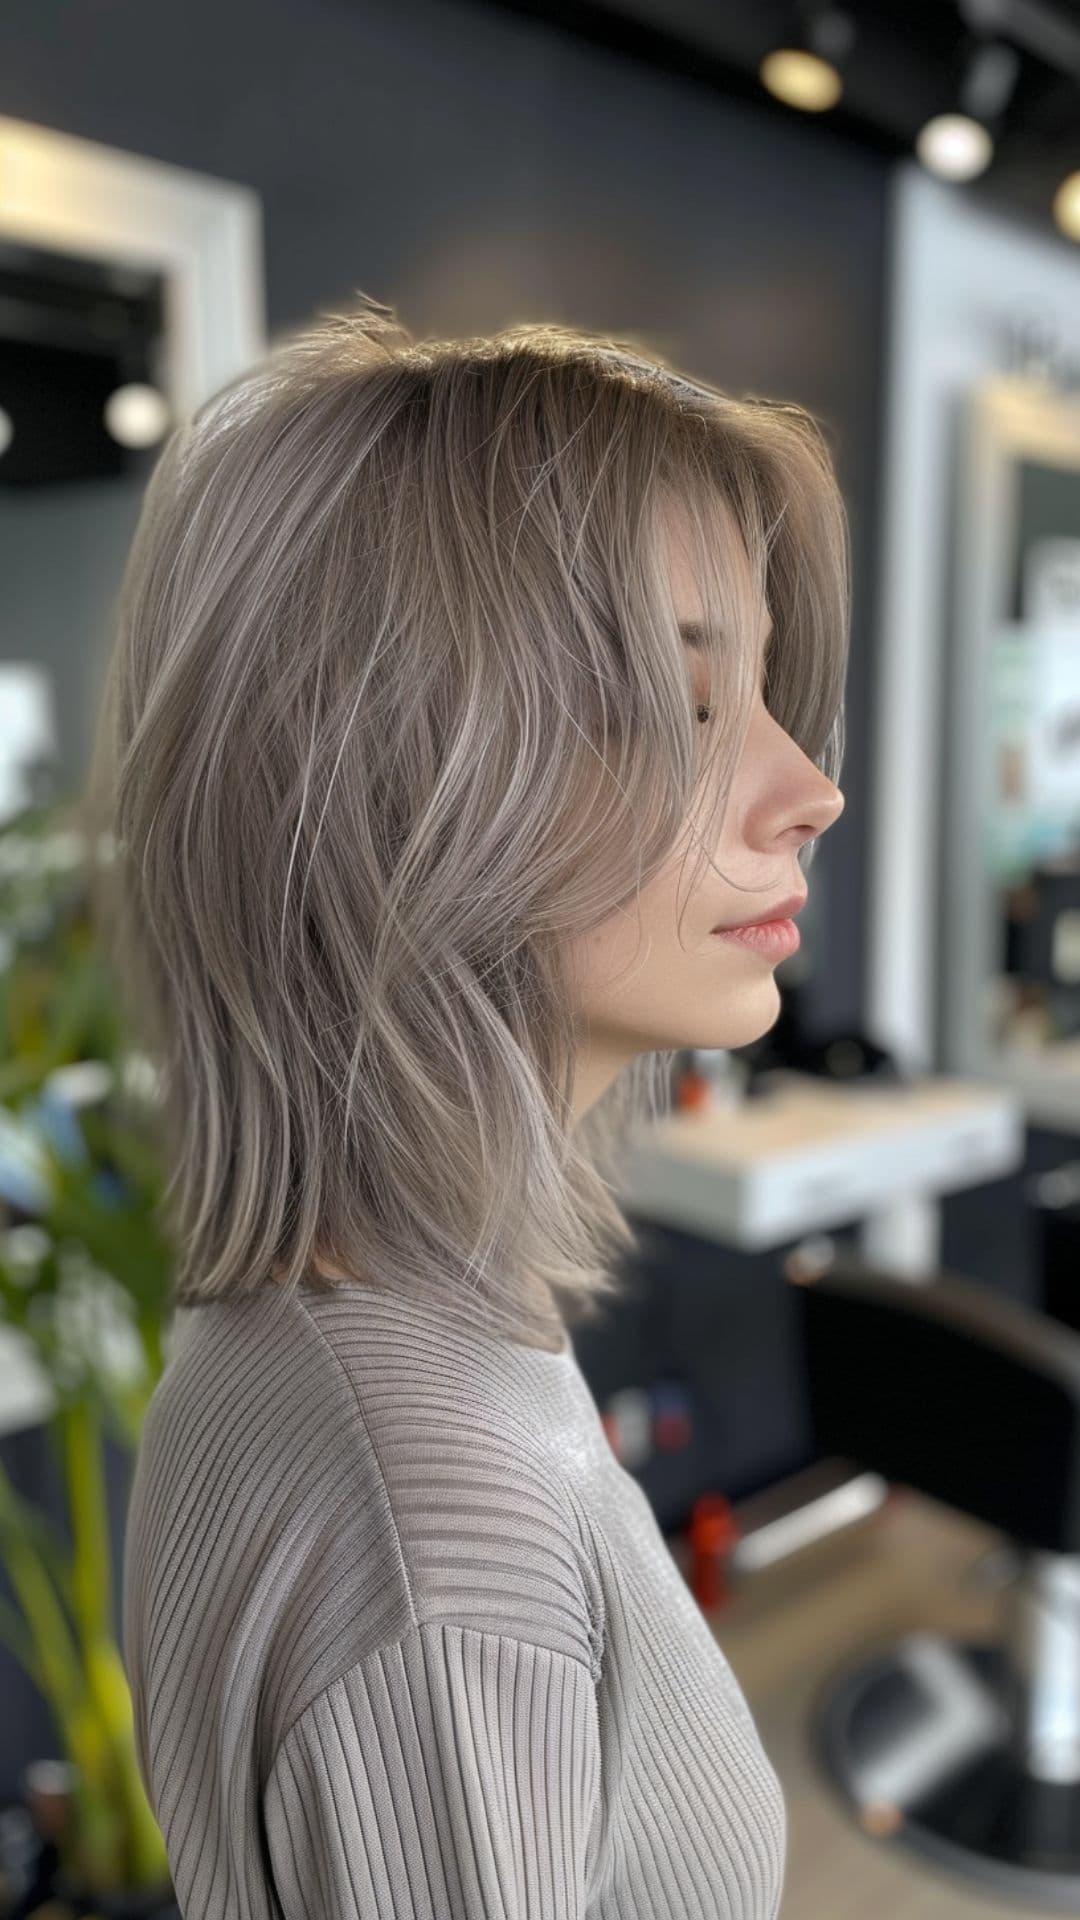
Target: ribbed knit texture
[(405, 1641)]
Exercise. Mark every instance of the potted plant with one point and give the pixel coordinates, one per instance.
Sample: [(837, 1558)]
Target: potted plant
[(84, 1279)]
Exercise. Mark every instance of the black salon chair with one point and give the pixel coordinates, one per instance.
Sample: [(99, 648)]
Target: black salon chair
[(968, 1753)]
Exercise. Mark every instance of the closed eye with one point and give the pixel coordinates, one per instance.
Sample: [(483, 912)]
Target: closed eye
[(704, 711)]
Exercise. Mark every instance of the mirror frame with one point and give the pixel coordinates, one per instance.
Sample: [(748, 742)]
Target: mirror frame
[(205, 237)]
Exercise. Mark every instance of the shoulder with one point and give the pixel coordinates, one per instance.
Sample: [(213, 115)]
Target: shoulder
[(318, 1497), (430, 1490), (469, 1439)]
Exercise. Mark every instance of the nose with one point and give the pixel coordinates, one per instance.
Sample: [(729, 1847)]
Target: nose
[(833, 806), (820, 802), (823, 813)]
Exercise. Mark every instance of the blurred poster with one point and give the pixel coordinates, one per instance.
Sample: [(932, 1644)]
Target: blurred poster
[(1051, 582), (1033, 739), (1045, 561), (1055, 721)]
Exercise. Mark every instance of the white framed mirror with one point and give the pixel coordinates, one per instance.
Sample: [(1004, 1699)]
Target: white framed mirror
[(204, 235), (1010, 976), (126, 287)]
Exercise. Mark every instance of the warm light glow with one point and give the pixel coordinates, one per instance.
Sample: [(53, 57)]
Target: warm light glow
[(1066, 205), (136, 415), (954, 147), (800, 79)]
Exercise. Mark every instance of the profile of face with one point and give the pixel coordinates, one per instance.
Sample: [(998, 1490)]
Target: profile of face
[(647, 982)]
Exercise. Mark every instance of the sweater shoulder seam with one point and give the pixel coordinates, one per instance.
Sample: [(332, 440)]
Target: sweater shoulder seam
[(390, 1646), (332, 1350)]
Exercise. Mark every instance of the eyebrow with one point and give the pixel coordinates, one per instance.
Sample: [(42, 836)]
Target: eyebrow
[(693, 632)]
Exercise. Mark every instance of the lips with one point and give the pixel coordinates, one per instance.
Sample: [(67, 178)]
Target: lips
[(783, 910)]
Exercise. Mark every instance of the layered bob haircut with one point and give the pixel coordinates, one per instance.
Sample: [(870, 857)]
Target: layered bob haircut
[(398, 707)]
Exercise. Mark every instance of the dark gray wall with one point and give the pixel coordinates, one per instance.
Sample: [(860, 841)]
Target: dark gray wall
[(474, 168)]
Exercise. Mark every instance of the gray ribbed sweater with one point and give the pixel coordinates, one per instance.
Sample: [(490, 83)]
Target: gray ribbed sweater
[(404, 1639)]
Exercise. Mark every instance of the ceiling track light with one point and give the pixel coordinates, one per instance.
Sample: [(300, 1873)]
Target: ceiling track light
[(959, 145), (804, 71), (1052, 37), (989, 81), (1039, 29)]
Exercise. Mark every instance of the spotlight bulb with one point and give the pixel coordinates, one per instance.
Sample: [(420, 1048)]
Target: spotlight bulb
[(954, 147), (800, 79), (136, 414), (1067, 206)]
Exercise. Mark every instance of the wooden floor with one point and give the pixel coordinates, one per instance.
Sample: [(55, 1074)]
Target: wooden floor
[(786, 1629)]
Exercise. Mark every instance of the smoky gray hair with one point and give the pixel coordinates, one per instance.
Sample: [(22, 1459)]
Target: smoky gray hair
[(397, 706)]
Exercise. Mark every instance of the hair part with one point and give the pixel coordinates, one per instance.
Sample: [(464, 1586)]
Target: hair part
[(397, 704)]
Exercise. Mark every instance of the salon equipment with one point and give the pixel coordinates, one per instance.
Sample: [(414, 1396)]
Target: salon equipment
[(1043, 937), (1054, 1201), (966, 1753)]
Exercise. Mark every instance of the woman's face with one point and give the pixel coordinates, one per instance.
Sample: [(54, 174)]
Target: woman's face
[(643, 987)]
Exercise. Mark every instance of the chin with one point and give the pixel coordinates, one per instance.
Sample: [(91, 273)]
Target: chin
[(739, 1033)]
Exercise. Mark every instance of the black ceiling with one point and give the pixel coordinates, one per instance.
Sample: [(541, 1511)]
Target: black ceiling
[(906, 63)]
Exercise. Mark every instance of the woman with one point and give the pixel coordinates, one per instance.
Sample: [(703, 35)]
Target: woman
[(434, 660)]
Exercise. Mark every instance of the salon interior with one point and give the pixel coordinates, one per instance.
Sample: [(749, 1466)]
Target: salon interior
[(845, 1366)]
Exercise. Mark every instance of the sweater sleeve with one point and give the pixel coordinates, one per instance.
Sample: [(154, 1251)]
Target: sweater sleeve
[(454, 1775)]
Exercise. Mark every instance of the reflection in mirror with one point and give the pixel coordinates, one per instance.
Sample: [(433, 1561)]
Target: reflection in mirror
[(82, 416)]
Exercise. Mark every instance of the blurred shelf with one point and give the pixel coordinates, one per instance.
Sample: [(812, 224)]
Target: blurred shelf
[(810, 1155)]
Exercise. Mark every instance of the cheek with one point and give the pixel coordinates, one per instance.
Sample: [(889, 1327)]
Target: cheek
[(610, 960), (637, 949)]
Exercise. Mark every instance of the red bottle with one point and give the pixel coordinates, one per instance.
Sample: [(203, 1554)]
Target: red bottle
[(712, 1533), (693, 1092)]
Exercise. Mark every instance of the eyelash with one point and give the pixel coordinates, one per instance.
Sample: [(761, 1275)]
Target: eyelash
[(704, 712)]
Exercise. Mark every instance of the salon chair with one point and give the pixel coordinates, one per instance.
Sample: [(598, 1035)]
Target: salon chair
[(967, 1753)]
